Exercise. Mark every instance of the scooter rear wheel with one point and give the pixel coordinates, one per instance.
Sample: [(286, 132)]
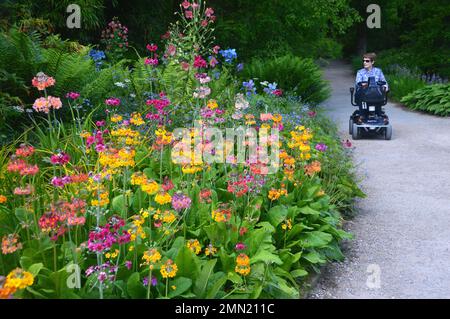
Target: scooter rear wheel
[(355, 132)]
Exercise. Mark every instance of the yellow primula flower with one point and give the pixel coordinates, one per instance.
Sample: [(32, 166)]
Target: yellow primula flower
[(212, 104), (169, 269), (163, 198), (168, 217), (19, 279), (194, 246), (150, 187), (210, 250), (151, 256), (287, 225)]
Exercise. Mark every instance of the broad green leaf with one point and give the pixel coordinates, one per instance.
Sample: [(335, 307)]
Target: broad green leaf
[(187, 262), (22, 214), (234, 278), (202, 281), (266, 226), (26, 262), (35, 269), (306, 210), (266, 257), (277, 214), (181, 284), (256, 291), (314, 258), (212, 292), (315, 239), (118, 204), (227, 261), (299, 273), (135, 287)]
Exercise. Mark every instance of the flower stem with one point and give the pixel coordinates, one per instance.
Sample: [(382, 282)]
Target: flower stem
[(149, 282), (167, 285), (54, 257)]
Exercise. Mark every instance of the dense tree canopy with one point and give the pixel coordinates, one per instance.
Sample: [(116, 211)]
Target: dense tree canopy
[(314, 28)]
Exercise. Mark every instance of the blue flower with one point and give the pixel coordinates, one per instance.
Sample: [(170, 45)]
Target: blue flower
[(249, 87), (239, 67), (270, 88), (97, 55), (229, 55), (216, 75)]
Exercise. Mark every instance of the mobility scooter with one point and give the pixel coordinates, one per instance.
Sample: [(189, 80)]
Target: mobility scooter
[(370, 118)]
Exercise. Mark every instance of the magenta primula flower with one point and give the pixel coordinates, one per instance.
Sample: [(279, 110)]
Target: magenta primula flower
[(199, 62), (152, 47), (159, 104), (151, 61), (112, 101), (60, 181), (73, 95), (103, 237), (60, 159)]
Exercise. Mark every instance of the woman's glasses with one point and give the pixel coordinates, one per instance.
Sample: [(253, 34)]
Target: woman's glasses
[(367, 61)]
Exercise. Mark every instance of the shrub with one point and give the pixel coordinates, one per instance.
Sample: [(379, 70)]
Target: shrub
[(302, 76), (434, 99)]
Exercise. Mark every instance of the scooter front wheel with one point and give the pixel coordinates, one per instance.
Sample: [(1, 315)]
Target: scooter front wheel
[(388, 132)]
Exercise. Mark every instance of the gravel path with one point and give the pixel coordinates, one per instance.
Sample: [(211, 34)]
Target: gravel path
[(403, 226)]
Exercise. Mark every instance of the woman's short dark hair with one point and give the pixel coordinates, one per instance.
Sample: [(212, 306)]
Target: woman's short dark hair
[(370, 55)]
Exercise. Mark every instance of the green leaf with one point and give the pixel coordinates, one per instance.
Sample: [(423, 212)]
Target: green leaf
[(21, 214), (306, 210), (277, 214), (118, 204), (35, 269), (212, 292), (181, 284), (177, 244), (217, 233), (256, 291), (134, 286), (26, 262), (314, 258), (139, 200), (315, 239), (288, 259), (280, 289), (227, 261), (234, 278), (266, 257), (296, 229), (188, 263), (266, 226), (36, 293), (202, 281), (299, 273)]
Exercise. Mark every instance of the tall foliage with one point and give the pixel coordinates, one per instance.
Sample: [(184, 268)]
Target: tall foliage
[(300, 75)]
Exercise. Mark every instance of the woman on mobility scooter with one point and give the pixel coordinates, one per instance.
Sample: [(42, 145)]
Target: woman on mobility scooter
[(371, 95)]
